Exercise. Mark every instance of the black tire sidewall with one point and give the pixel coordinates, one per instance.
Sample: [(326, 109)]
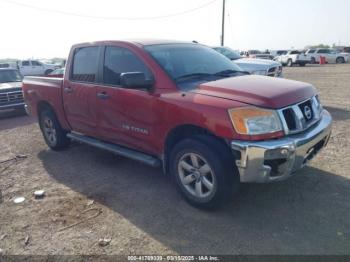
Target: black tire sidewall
[(340, 60), (210, 154), (61, 140)]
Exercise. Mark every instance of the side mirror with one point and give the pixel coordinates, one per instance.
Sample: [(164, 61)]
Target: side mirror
[(135, 80)]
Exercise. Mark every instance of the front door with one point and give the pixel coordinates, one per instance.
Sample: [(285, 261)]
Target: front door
[(37, 68), (126, 116), (25, 68), (79, 92)]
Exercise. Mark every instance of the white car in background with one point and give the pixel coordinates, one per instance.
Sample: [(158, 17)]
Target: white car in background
[(35, 68), (332, 56), (293, 57), (252, 65)]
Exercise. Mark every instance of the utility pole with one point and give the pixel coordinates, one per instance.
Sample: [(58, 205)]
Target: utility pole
[(223, 23)]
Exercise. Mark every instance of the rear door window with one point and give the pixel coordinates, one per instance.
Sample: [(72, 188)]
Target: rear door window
[(85, 64), (25, 63)]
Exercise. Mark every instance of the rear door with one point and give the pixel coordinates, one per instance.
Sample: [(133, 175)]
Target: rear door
[(126, 116), (79, 91)]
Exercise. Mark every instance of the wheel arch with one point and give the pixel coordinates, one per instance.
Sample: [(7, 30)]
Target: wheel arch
[(42, 105), (182, 132)]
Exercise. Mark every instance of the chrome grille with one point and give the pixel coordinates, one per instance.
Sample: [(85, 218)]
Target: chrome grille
[(11, 97), (297, 118)]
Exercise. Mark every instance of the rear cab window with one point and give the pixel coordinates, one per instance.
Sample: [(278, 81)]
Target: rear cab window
[(85, 64)]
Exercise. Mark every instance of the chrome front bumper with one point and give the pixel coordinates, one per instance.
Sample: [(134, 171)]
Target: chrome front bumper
[(274, 160)]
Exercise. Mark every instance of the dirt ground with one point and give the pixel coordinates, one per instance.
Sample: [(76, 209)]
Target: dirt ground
[(141, 212)]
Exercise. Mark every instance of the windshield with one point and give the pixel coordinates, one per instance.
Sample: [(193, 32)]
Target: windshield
[(228, 52), (191, 60), (7, 76)]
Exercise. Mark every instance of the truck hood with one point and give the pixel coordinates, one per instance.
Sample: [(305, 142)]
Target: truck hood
[(251, 64), (10, 85), (262, 91)]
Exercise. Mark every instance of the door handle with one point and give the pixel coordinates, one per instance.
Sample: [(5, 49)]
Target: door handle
[(68, 90), (103, 95)]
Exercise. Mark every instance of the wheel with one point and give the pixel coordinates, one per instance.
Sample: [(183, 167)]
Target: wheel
[(340, 60), (313, 60), (301, 64), (55, 137), (204, 172), (48, 71), (289, 63)]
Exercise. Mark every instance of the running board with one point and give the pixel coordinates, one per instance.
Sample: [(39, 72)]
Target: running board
[(119, 150)]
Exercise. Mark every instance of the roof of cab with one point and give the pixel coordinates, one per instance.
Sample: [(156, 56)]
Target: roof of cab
[(140, 42)]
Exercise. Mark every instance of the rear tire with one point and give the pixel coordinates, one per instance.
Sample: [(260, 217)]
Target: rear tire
[(289, 63), (204, 172), (55, 137), (340, 60), (301, 64)]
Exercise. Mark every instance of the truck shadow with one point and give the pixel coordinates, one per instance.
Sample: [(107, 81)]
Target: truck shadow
[(14, 119), (308, 214), (338, 114)]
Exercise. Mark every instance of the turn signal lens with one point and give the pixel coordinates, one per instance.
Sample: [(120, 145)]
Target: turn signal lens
[(255, 121)]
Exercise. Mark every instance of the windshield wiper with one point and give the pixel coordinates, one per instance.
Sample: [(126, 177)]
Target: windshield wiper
[(194, 75), (230, 72)]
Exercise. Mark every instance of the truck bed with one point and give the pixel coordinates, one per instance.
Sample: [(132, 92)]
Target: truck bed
[(39, 90)]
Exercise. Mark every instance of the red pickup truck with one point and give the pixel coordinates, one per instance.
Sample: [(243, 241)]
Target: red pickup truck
[(184, 107)]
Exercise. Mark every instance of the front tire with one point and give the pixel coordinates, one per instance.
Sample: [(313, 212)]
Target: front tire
[(289, 63), (301, 64), (313, 60), (55, 137), (203, 172)]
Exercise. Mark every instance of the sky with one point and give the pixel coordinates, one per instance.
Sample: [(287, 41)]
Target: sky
[(46, 29)]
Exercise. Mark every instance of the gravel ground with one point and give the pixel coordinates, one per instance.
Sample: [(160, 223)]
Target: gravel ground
[(141, 212)]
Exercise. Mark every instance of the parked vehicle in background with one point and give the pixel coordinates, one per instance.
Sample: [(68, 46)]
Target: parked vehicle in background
[(263, 56), (11, 96), (331, 55), (12, 65), (253, 52), (276, 53), (184, 107), (293, 57), (35, 67), (57, 73), (252, 65)]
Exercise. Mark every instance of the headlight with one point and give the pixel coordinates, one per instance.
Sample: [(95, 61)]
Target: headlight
[(259, 72), (255, 121)]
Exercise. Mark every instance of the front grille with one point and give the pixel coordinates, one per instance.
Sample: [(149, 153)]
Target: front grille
[(289, 118), (13, 97), (306, 109), (301, 116)]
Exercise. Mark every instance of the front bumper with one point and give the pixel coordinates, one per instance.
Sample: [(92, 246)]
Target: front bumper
[(274, 160), (12, 106)]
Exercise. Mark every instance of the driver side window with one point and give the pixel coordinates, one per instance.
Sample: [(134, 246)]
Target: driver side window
[(118, 60)]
